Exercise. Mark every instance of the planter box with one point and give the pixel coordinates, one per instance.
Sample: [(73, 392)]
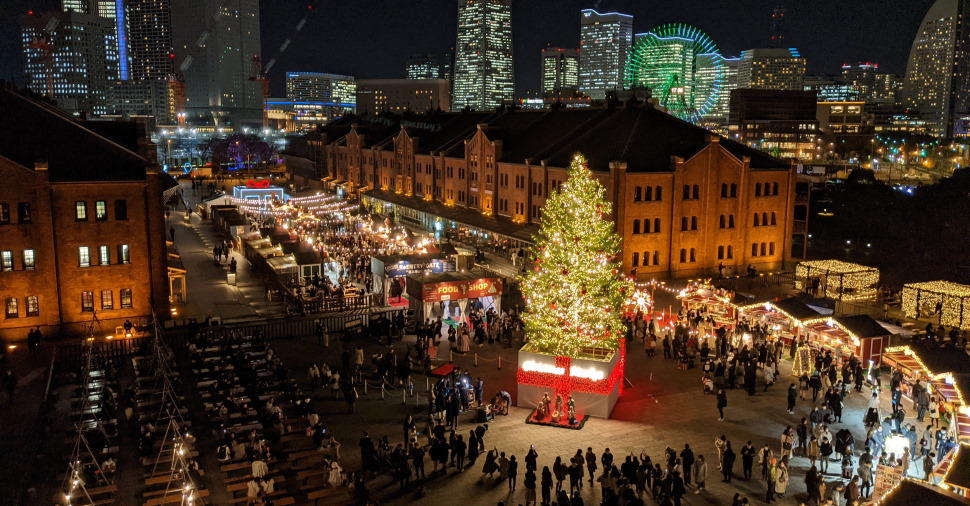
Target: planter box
[(594, 384)]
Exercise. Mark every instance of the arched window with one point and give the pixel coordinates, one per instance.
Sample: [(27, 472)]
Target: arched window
[(730, 221), (656, 225), (693, 222), (697, 192), (683, 223), (637, 193), (757, 221), (636, 226), (771, 248), (774, 188), (730, 252), (757, 189), (720, 252), (646, 258), (686, 192), (636, 259), (693, 255), (734, 190), (647, 191), (722, 222), (773, 218), (764, 219), (724, 190), (646, 226), (656, 258), (683, 255), (658, 193), (754, 249)]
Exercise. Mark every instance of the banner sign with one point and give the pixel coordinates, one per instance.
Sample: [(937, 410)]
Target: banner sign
[(464, 289)]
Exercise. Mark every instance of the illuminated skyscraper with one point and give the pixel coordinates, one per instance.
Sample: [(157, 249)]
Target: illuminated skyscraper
[(70, 56), (215, 42), (483, 54), (334, 93), (861, 77), (604, 41), (431, 66), (560, 70), (771, 69), (150, 39), (937, 72)]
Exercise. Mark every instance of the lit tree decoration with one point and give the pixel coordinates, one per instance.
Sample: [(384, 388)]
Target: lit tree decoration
[(574, 292)]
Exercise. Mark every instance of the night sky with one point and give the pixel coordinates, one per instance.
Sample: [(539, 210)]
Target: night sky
[(373, 38)]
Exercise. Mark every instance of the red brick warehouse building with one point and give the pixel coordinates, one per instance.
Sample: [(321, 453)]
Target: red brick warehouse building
[(685, 200), (82, 228)]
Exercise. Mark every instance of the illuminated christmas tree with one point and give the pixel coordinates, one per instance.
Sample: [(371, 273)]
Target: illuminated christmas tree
[(574, 292)]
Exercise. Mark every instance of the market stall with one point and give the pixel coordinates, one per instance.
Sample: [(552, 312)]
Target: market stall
[(719, 303), (785, 318), (857, 336), (837, 279), (954, 470), (390, 271), (284, 267), (949, 302), (449, 294), (946, 371)]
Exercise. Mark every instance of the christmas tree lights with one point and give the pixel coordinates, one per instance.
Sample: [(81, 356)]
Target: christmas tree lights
[(574, 292)]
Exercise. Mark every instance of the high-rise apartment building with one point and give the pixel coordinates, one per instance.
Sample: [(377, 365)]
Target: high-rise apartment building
[(771, 69), (560, 71), (604, 41), (717, 119), (483, 55), (888, 88), (431, 66), (70, 56), (937, 74), (215, 42)]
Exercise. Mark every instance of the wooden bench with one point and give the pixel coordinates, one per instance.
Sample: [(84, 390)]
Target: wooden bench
[(246, 477), (173, 498), (107, 489), (307, 474), (328, 493), (244, 486)]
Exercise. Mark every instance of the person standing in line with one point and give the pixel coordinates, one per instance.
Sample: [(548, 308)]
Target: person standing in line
[(812, 484), (721, 404), (513, 472), (792, 395), (771, 481), (530, 487)]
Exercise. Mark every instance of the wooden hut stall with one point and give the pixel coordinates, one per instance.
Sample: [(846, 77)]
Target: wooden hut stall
[(857, 336), (949, 302), (837, 279)]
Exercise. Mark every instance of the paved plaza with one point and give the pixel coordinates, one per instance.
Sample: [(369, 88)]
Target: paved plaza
[(665, 406)]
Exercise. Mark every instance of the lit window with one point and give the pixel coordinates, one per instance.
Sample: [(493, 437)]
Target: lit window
[(81, 210), (87, 301), (83, 256), (29, 262), (100, 210), (11, 308), (33, 306), (107, 300), (125, 296), (4, 213)]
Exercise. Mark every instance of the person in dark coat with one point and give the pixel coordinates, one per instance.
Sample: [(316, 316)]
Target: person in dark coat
[(728, 467), (721, 404), (687, 459), (545, 483)]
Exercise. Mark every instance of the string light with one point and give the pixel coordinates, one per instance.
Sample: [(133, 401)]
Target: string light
[(921, 299)]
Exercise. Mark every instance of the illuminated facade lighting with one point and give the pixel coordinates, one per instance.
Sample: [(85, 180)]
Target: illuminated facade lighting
[(483, 59), (605, 41)]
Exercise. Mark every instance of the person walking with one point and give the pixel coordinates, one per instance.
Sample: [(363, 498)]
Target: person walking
[(792, 395), (719, 445), (728, 465), (813, 482), (765, 456), (687, 461), (747, 460), (590, 463), (700, 474), (721, 404), (513, 472), (771, 481), (825, 451)]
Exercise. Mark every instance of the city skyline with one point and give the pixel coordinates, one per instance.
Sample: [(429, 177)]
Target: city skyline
[(828, 38)]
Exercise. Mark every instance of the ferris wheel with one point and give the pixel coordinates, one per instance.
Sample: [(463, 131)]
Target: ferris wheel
[(681, 65)]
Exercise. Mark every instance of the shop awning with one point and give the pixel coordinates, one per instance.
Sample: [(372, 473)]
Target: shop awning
[(453, 286), (283, 265), (909, 492)]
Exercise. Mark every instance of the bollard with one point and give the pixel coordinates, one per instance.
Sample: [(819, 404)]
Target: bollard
[(427, 385), (365, 387), (500, 361), (404, 396), (476, 359)]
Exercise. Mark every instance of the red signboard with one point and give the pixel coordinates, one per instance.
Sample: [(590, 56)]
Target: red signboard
[(257, 183), (464, 289)]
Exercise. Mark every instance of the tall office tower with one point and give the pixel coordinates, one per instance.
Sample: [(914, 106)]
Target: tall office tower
[(777, 27), (771, 69), (937, 73), (888, 88), (215, 42), (150, 39), (862, 77), (113, 12), (483, 54), (831, 89), (431, 66), (68, 57), (604, 45), (560, 71)]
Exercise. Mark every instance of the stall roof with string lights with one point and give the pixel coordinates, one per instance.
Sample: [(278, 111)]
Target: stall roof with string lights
[(948, 371), (909, 491), (953, 300), (955, 470), (858, 335), (838, 280)]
